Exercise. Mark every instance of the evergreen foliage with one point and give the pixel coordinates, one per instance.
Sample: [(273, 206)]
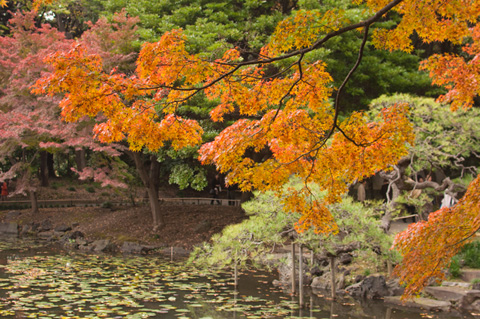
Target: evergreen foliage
[(253, 241)]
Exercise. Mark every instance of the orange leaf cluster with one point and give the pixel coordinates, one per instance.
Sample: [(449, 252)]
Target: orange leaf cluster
[(428, 246), (295, 139), (128, 107), (460, 76), (431, 20), (302, 30)]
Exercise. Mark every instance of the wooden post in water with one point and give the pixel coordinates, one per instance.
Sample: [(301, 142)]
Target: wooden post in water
[(332, 272), (235, 275), (300, 276), (294, 289), (171, 253), (332, 310), (388, 313), (311, 306)]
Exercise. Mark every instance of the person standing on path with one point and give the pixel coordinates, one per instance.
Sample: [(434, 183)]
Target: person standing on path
[(4, 191), (215, 189)]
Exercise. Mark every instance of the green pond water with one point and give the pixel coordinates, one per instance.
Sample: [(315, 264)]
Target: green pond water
[(40, 282)]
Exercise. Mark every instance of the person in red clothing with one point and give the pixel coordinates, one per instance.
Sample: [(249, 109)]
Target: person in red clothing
[(4, 191)]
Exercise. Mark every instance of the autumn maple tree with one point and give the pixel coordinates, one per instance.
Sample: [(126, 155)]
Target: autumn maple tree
[(30, 127), (97, 82), (27, 121), (290, 110)]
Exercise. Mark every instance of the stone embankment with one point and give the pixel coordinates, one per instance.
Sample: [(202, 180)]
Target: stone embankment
[(71, 239)]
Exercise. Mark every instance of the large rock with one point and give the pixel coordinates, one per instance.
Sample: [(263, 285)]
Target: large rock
[(463, 299), (47, 235), (73, 235), (285, 271), (62, 228), (451, 294), (70, 239), (470, 302), (469, 275), (345, 259), (134, 248), (458, 284), (175, 252), (394, 287), (102, 245), (9, 229), (324, 282), (372, 287), (420, 303), (46, 225)]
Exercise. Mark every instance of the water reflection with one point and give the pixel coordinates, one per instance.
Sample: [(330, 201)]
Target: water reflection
[(36, 282)]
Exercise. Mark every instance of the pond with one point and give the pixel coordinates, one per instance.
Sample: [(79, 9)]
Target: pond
[(40, 282)]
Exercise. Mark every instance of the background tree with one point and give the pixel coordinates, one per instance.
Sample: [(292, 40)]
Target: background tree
[(30, 125), (26, 121), (446, 143)]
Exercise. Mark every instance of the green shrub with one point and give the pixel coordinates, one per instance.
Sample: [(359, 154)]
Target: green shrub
[(72, 189), (90, 189), (455, 267), (107, 205), (471, 254)]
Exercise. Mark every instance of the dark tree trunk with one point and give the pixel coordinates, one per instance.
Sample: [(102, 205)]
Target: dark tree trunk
[(60, 22), (154, 173), (50, 166), (80, 159), (44, 168), (34, 201), (149, 183)]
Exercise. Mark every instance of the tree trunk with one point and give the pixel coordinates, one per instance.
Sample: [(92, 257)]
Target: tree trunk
[(154, 206), (152, 191), (34, 201), (391, 207), (80, 159), (154, 172), (44, 168), (50, 166)]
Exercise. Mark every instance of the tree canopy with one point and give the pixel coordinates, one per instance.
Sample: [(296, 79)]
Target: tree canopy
[(288, 106)]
